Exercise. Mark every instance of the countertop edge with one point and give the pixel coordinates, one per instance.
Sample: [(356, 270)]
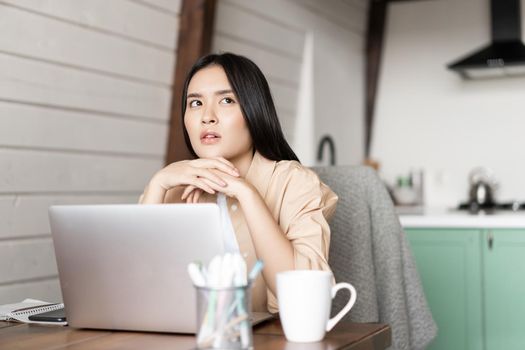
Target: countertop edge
[(444, 219)]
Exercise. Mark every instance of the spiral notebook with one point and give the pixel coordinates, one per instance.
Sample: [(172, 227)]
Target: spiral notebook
[(20, 312)]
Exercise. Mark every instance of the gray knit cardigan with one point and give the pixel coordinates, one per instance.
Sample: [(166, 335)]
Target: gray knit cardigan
[(369, 249)]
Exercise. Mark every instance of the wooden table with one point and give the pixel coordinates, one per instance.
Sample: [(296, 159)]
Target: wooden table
[(346, 335)]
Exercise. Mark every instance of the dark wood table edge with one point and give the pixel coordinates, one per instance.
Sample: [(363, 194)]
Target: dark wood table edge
[(100, 333), (380, 339), (5, 324)]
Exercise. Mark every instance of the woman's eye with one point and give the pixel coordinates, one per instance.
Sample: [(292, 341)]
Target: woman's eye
[(195, 103), (227, 100)]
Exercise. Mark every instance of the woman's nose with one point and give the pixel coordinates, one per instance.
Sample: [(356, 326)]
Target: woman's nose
[(209, 117)]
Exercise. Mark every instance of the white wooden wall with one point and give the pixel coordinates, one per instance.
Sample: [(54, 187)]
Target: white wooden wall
[(272, 33), (85, 90), (84, 108)]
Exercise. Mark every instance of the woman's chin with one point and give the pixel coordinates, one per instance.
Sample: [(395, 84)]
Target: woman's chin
[(209, 153)]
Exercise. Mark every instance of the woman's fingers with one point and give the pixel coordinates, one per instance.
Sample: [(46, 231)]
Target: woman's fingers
[(193, 191), (189, 199), (213, 185), (196, 195), (191, 194), (219, 164), (203, 185), (210, 175), (186, 172), (187, 191)]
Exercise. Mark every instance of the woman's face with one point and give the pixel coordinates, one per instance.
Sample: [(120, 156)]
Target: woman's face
[(213, 117)]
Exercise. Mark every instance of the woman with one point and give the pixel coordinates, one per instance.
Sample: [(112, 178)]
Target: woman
[(278, 208)]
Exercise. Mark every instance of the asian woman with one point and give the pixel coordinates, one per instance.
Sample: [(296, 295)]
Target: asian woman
[(278, 208)]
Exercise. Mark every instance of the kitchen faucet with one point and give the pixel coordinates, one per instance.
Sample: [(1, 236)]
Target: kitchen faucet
[(327, 139)]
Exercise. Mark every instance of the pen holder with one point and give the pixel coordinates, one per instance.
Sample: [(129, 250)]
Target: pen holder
[(223, 318)]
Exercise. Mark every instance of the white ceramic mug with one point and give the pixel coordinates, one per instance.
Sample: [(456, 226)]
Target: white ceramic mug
[(305, 299)]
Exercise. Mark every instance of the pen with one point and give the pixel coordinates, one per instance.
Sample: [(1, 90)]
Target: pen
[(211, 281), (226, 274), (209, 340), (257, 267), (196, 275), (240, 280), (226, 283)]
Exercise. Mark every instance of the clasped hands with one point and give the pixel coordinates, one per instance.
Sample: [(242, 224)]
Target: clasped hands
[(209, 175)]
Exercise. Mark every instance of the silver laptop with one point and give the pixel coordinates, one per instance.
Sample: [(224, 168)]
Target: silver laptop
[(125, 266)]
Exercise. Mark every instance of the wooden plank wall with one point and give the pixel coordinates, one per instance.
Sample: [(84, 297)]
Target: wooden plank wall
[(272, 34), (85, 91)]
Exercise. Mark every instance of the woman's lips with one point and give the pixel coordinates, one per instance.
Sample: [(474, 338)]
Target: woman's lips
[(209, 138)]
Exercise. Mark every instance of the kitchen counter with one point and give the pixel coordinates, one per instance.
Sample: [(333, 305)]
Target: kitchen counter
[(419, 217)]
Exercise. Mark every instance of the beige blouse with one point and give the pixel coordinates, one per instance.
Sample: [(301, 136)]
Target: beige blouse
[(299, 202)]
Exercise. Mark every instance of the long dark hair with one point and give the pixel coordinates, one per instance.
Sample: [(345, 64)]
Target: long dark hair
[(252, 90)]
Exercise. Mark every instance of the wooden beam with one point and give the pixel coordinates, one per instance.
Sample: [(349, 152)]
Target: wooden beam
[(374, 48), (195, 36)]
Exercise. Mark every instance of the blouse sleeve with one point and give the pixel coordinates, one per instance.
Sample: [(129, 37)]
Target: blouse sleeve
[(307, 206)]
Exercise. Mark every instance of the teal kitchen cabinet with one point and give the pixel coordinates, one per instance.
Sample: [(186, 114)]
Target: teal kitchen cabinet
[(474, 280), (449, 263), (504, 288)]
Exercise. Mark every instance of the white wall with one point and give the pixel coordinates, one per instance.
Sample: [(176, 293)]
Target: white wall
[(273, 33), (428, 117), (85, 91)]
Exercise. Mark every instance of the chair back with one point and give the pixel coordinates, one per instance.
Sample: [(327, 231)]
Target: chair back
[(351, 250)]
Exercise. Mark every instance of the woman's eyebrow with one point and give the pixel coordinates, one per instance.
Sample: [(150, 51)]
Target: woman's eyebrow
[(223, 92), (194, 94), (218, 92)]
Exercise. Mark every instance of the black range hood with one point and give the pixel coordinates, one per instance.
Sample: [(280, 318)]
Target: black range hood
[(505, 55)]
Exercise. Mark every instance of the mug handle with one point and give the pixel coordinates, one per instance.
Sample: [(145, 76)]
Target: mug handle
[(353, 296)]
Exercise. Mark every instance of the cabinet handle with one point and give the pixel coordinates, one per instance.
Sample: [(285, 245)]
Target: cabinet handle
[(490, 240)]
